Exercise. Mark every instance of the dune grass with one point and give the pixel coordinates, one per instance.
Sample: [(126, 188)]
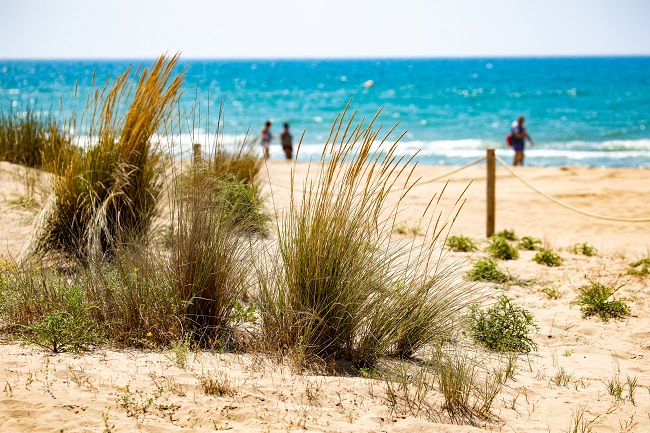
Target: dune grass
[(107, 194), (343, 289), (28, 137)]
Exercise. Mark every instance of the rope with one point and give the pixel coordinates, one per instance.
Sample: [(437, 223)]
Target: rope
[(566, 205), (447, 175), (444, 176)]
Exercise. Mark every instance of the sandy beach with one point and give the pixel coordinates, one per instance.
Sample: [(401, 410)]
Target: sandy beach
[(566, 378)]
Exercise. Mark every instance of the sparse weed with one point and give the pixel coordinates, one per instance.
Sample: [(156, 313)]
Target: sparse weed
[(503, 327), (529, 243), (547, 257), (500, 248), (594, 300), (584, 249), (461, 244), (561, 377), (616, 388), (578, 422), (552, 292), (640, 267), (487, 270), (217, 384)]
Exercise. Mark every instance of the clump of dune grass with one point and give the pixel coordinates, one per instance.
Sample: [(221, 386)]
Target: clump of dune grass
[(26, 137), (594, 299), (547, 257), (342, 288), (487, 270), (500, 248), (502, 327), (461, 244), (107, 194)]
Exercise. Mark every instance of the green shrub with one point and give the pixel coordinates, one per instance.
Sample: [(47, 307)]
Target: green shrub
[(506, 234), (547, 257), (640, 267), (68, 326), (503, 327), (461, 243), (594, 300), (529, 243), (499, 248), (584, 249), (486, 270)]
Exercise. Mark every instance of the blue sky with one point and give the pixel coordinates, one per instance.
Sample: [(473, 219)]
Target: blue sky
[(322, 28)]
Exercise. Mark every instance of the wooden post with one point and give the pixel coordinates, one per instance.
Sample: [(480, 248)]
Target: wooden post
[(196, 155), (491, 189)]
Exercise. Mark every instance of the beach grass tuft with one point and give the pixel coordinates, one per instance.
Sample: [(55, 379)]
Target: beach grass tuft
[(342, 287), (106, 195)]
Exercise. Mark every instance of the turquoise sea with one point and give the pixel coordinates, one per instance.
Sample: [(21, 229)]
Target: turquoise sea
[(580, 111)]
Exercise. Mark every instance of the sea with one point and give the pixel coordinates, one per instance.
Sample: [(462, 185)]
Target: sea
[(587, 111)]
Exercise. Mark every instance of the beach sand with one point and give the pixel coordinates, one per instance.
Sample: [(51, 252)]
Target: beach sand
[(129, 390)]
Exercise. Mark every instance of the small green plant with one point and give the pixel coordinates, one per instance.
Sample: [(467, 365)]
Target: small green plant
[(547, 257), (486, 270), (506, 234), (552, 292), (461, 244), (561, 377), (616, 388), (594, 300), (529, 243), (503, 327), (640, 267), (69, 326), (244, 312), (584, 249), (499, 248)]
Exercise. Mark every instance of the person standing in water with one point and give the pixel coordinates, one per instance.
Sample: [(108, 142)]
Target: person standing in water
[(265, 138), (519, 137), (286, 139)]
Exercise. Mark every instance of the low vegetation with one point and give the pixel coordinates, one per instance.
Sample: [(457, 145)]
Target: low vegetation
[(507, 234), (487, 270), (502, 327), (529, 243), (585, 249), (461, 244), (640, 267), (547, 257), (598, 300), (500, 248)]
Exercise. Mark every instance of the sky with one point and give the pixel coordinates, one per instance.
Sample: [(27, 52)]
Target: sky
[(279, 29)]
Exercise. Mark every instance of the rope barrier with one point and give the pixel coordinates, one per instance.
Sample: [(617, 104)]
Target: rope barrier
[(435, 179), (566, 205), (446, 175), (517, 176)]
